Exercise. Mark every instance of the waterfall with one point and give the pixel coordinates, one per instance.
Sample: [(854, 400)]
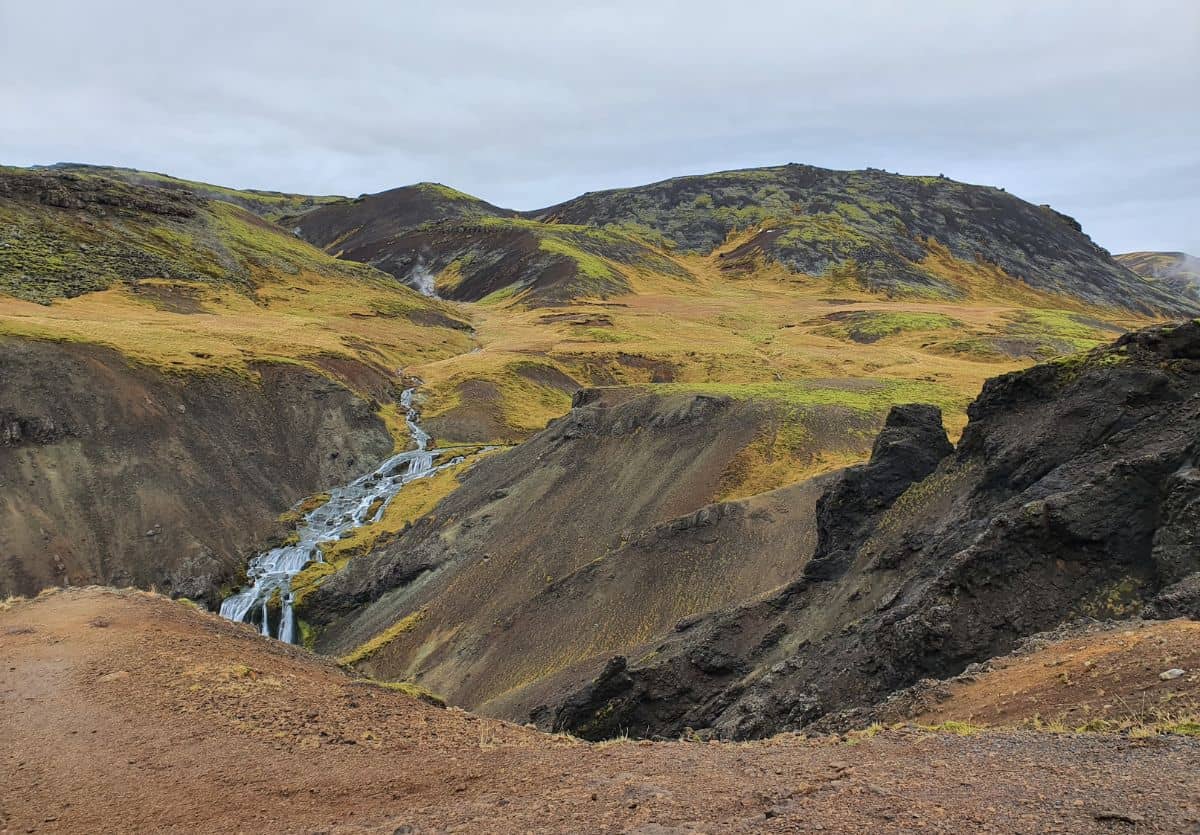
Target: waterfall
[(348, 507)]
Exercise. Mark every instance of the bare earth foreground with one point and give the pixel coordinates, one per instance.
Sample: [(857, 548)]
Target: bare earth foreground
[(125, 712)]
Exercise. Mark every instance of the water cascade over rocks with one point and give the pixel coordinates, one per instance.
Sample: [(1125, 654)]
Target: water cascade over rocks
[(361, 502)]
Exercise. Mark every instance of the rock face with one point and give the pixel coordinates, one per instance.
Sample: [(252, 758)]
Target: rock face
[(118, 474), (911, 445), (1072, 493), (65, 190)]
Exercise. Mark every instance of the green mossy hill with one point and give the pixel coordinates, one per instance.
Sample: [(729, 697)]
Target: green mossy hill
[(539, 263), (875, 226), (269, 204), (63, 234)]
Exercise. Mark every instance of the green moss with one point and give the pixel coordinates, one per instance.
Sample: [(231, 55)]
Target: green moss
[(823, 228), (870, 326), (504, 294), (49, 252), (588, 265), (604, 335), (378, 642), (446, 193), (1058, 331), (853, 212), (306, 581), (1120, 599), (308, 634), (302, 507)]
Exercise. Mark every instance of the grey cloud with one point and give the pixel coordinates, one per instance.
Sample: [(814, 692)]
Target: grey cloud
[(1086, 105)]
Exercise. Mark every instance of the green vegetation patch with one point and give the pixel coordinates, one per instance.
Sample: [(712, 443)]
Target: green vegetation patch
[(408, 688), (869, 326), (1056, 331), (378, 642)]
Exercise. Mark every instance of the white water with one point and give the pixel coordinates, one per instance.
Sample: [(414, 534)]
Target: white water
[(348, 508)]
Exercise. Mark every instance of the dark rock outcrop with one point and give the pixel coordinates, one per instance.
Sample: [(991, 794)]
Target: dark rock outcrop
[(1071, 494), (68, 190), (910, 447), (1180, 600)]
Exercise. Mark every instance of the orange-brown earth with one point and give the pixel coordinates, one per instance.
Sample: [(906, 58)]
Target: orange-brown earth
[(1108, 676), (126, 712)]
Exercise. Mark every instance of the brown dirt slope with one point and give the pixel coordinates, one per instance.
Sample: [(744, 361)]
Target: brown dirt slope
[(594, 537), (1100, 675), (127, 712)]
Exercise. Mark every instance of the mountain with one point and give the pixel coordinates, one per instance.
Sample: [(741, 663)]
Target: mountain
[(1175, 271), (435, 238), (884, 230), (647, 427), (904, 237), (534, 586)]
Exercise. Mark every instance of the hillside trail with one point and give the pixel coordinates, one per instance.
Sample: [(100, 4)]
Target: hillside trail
[(126, 712)]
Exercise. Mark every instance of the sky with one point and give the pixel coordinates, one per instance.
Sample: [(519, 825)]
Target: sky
[(1090, 106)]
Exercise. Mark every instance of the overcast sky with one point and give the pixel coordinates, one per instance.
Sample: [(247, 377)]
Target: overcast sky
[(1091, 106)]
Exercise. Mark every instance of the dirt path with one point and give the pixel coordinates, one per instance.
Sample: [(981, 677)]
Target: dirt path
[(124, 712)]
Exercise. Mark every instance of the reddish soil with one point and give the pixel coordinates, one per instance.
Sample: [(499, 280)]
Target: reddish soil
[(1110, 674), (126, 712)]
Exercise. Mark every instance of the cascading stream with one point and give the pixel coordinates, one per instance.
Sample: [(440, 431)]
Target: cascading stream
[(361, 502)]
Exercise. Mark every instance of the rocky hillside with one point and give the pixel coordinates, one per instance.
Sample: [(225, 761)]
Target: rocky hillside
[(1073, 492), (540, 593), (890, 234), (271, 205), (176, 372), (1174, 271), (880, 229), (117, 473), (441, 240)]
